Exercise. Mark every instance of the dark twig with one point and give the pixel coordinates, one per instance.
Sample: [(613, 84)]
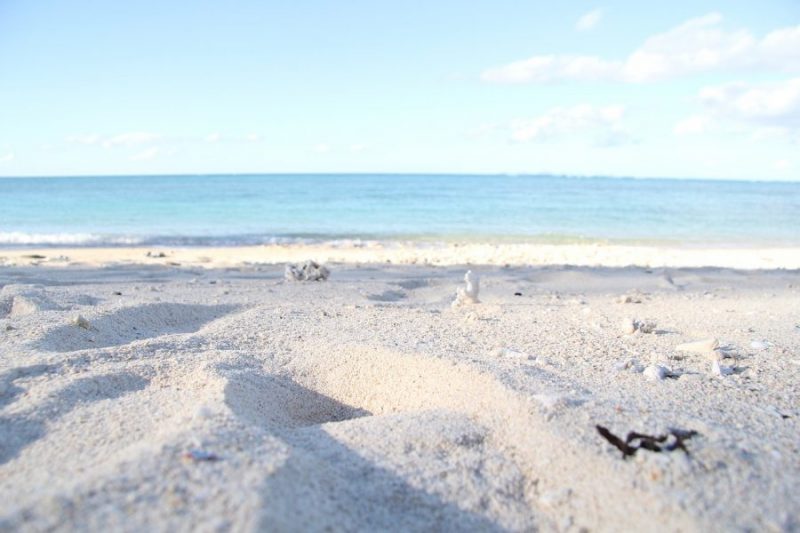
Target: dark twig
[(653, 443)]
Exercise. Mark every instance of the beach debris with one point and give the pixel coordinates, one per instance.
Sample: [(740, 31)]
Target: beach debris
[(629, 364), (308, 271), (759, 345), (34, 256), (720, 370), (517, 294), (702, 347), (628, 299), (513, 354), (656, 373), (667, 281), (117, 293), (469, 293), (646, 326), (81, 322), (629, 326), (197, 455), (674, 439), (156, 254)]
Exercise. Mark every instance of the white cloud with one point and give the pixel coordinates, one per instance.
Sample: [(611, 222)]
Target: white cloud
[(212, 137), (357, 148), (692, 125), (252, 137), (128, 139), (589, 20), (7, 157), (769, 109), (481, 131), (134, 138), (146, 155), (767, 102), (604, 122), (765, 111), (322, 148), (698, 45), (782, 164), (84, 139)]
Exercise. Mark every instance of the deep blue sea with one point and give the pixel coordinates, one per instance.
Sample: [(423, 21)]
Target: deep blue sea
[(252, 209)]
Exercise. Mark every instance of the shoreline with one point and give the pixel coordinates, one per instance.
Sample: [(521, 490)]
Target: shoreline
[(448, 254)]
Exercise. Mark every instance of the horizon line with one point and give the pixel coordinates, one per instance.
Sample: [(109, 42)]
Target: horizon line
[(365, 173)]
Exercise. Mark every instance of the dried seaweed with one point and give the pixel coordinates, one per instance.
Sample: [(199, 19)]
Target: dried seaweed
[(674, 440)]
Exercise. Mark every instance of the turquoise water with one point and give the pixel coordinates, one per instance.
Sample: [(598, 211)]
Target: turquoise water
[(250, 209)]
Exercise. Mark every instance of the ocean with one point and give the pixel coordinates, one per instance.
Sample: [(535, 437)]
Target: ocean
[(255, 209)]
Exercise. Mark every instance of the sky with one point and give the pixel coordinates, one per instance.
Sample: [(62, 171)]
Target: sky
[(684, 89)]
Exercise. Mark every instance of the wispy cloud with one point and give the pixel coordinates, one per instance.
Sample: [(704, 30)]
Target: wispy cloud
[(603, 123), (782, 164), (322, 148), (589, 20), (5, 158), (481, 131), (768, 109), (698, 45), (128, 139), (692, 125), (212, 137), (84, 139), (134, 138), (146, 155)]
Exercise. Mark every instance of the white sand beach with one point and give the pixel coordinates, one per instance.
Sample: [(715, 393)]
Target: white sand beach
[(201, 391)]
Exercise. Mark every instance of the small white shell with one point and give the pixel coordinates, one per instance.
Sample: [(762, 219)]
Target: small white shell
[(655, 372), (81, 322), (720, 370), (628, 326), (702, 346)]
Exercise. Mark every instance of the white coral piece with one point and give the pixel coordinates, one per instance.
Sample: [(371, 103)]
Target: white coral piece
[(309, 271), (469, 293)]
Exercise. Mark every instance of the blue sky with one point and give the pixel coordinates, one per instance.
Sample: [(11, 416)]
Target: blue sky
[(689, 89)]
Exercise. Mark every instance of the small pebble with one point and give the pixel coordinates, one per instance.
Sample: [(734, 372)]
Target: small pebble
[(720, 370), (655, 373), (198, 455), (81, 322), (646, 326), (512, 354), (628, 326)]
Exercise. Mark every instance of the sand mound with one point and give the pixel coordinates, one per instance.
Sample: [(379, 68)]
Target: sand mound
[(131, 324), (21, 300)]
